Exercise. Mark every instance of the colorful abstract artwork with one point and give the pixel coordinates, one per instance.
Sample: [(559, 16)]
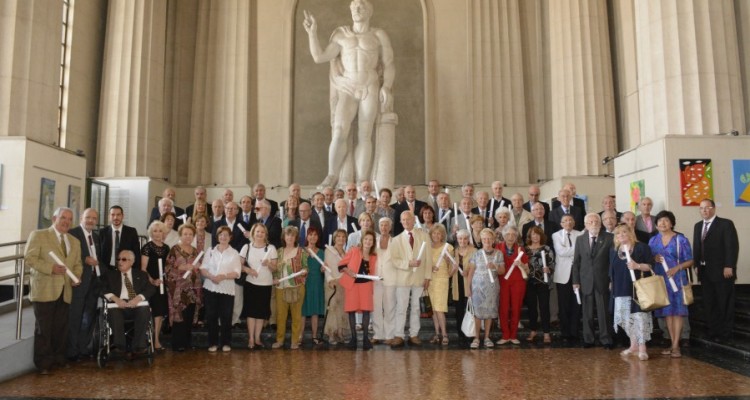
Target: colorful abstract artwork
[(741, 180), (696, 181), (637, 192)]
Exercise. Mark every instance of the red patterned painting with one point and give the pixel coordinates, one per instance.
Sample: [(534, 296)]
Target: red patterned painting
[(696, 181)]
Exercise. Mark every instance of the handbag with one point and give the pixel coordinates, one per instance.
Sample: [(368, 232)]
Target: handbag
[(425, 306), (650, 292), (687, 289), (468, 325), (291, 294)]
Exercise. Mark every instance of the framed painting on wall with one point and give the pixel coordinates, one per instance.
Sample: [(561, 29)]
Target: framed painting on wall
[(637, 192), (46, 203), (74, 201), (741, 182), (696, 181)]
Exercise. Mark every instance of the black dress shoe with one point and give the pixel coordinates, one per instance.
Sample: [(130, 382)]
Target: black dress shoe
[(609, 346), (588, 345)]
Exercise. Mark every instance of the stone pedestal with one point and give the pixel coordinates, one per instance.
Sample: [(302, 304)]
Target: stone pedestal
[(383, 162)]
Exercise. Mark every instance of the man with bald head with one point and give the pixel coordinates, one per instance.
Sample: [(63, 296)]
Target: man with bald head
[(200, 194), (158, 211), (608, 204), (354, 204), (567, 207), (433, 189), (534, 195), (228, 196), (410, 204), (496, 198), (483, 208), (577, 201), (341, 220), (259, 191), (295, 190)]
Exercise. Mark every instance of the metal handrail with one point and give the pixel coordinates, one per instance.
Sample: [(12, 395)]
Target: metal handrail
[(19, 277)]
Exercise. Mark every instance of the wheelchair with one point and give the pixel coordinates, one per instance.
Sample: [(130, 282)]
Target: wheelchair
[(103, 337)]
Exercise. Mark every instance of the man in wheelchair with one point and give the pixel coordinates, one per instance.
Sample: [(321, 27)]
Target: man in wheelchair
[(128, 288)]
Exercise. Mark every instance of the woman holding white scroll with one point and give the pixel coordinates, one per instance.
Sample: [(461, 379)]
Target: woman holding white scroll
[(476, 223), (512, 284), (672, 249), (541, 267), (314, 305), (485, 265), (258, 262), (460, 278), (290, 292), (358, 292), (184, 293), (629, 255), (442, 268), (151, 253), (337, 322)]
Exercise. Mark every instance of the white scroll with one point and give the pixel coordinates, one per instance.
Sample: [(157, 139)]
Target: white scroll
[(421, 251), (377, 191), (195, 262), (161, 276), (672, 283), (315, 256), (92, 253), (370, 277), (242, 228), (578, 295), (544, 265), (292, 276), (70, 273), (512, 266), (626, 248), (354, 227), (445, 216)]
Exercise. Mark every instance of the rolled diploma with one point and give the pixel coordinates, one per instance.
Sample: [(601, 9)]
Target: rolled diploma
[(512, 266), (492, 206), (672, 283), (502, 202), (447, 190), (544, 264), (281, 213), (242, 228), (445, 216), (195, 262), (161, 276), (578, 296), (143, 303), (370, 277), (292, 276), (315, 256), (354, 227), (468, 228), (487, 263), (183, 217), (455, 212), (421, 251), (92, 251), (626, 248), (375, 183), (70, 273), (419, 224), (329, 240)]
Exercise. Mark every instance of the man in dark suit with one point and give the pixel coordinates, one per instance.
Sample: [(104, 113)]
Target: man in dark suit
[(497, 196), (590, 275), (548, 226), (51, 287), (483, 209), (164, 206), (246, 210), (567, 207), (272, 222), (116, 237), (577, 201), (534, 193), (156, 213), (319, 212), (410, 204), (200, 195), (341, 220), (83, 307), (608, 204), (240, 230), (304, 223), (295, 190), (259, 190), (715, 251), (127, 288)]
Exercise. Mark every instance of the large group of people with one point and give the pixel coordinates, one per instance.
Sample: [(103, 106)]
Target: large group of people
[(353, 261)]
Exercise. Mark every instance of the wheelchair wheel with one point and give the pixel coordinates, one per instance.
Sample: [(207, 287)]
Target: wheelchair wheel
[(102, 356), (150, 338)]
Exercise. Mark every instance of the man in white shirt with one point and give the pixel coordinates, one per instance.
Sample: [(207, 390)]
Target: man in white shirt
[(412, 277), (383, 310), (569, 311)]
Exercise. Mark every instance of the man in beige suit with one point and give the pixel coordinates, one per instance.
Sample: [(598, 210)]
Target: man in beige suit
[(411, 276), (51, 288)]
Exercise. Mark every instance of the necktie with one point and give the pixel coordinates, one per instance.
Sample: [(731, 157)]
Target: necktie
[(247, 218), (351, 208), (117, 244), (565, 210), (703, 239), (128, 286), (411, 240), (303, 234), (321, 217), (593, 244), (62, 245), (570, 243)]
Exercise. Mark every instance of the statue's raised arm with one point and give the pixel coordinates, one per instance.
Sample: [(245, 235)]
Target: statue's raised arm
[(318, 54)]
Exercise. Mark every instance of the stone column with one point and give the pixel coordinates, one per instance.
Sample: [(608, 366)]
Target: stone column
[(688, 68), (581, 88), (30, 37), (219, 127), (131, 121), (497, 136)]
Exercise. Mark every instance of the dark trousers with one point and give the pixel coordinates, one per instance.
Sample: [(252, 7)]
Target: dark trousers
[(140, 317), (51, 332), (604, 318), (181, 331), (569, 311), (538, 295), (81, 322), (718, 298), (218, 310)]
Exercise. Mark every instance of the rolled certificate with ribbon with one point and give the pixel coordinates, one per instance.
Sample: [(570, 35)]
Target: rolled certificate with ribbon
[(672, 283), (195, 262), (626, 249), (544, 265), (512, 266), (487, 263), (161, 276), (70, 273), (370, 277), (315, 256), (292, 276), (143, 303), (578, 295)]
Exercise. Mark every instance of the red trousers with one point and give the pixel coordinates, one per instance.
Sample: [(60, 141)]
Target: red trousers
[(511, 300)]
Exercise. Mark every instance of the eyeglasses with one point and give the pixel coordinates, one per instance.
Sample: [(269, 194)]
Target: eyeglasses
[(705, 208), (257, 209), (123, 259)]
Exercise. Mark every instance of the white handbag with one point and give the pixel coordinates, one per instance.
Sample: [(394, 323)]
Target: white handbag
[(468, 325)]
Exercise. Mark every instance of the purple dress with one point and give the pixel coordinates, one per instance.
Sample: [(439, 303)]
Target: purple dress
[(677, 245)]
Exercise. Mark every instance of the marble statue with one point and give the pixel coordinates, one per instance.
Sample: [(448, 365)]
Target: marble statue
[(361, 76)]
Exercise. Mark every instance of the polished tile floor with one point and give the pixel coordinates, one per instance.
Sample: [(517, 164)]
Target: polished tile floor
[(383, 373)]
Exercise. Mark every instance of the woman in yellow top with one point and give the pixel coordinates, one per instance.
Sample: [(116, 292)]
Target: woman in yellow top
[(442, 269), (290, 293)]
